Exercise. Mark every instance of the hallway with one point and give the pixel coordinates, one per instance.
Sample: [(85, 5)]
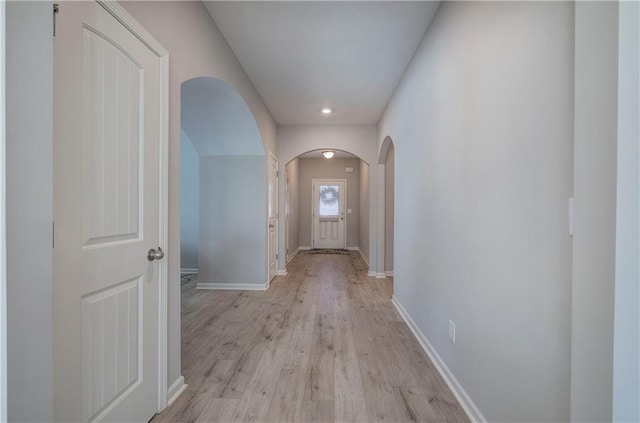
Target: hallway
[(322, 344)]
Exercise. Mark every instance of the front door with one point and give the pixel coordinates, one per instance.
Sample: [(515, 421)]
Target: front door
[(329, 199), (107, 168), (273, 216)]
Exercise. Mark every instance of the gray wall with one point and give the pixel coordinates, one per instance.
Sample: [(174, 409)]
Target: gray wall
[(292, 174), (389, 187), (483, 126), (29, 199), (189, 203), (364, 240), (329, 169), (211, 106), (596, 88), (196, 48), (230, 219), (626, 354)]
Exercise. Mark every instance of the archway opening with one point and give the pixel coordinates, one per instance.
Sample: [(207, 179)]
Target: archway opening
[(305, 177), (223, 188)]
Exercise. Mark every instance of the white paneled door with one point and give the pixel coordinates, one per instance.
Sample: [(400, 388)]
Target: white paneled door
[(329, 200), (272, 218), (108, 185)]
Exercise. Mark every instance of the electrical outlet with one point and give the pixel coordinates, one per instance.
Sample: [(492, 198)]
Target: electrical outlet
[(452, 332)]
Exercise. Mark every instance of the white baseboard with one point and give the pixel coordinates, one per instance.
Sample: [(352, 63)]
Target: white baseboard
[(282, 272), (458, 391), (188, 270), (176, 388), (292, 255), (234, 286), (381, 275), (389, 273), (353, 248), (304, 248), (371, 273)]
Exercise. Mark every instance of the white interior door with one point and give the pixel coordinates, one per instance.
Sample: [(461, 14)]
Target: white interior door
[(329, 199), (273, 216), (108, 120)]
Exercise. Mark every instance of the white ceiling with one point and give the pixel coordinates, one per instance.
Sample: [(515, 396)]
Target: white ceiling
[(303, 55)]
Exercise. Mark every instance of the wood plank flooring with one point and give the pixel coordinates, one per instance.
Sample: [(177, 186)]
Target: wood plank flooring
[(323, 344)]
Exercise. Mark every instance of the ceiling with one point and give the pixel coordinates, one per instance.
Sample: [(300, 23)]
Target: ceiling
[(305, 55)]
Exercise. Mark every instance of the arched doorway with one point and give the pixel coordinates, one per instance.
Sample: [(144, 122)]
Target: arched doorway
[(387, 158), (223, 189), (294, 141), (345, 173)]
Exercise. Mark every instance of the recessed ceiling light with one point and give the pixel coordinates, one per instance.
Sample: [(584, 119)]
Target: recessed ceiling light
[(326, 110), (328, 154)]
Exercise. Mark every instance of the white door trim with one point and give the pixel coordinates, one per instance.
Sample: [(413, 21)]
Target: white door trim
[(136, 29), (315, 181), (287, 203), (276, 186)]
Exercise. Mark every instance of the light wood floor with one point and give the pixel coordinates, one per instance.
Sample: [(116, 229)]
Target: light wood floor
[(322, 344)]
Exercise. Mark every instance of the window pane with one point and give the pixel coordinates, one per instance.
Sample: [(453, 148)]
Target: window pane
[(329, 200)]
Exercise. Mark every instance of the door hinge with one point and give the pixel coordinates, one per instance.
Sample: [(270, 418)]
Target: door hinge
[(277, 173), (56, 10), (53, 234), (276, 256)]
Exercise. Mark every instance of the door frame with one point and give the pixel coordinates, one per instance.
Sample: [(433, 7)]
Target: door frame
[(148, 40), (315, 181), (276, 204), (287, 202)]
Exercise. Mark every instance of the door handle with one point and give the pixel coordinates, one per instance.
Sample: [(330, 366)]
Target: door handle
[(155, 255), (272, 226)]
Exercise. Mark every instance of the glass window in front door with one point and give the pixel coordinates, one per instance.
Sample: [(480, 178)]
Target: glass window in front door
[(329, 204)]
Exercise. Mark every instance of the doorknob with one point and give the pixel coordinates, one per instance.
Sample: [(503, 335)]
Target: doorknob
[(272, 226), (155, 255)]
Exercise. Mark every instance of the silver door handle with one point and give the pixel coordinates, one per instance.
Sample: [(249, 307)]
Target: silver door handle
[(155, 255), (272, 226)]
